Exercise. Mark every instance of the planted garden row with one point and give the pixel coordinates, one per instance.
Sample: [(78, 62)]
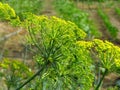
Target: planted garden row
[(117, 10), (112, 29)]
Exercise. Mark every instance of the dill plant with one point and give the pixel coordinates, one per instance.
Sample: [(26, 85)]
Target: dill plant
[(107, 57), (6, 12), (64, 59), (62, 64)]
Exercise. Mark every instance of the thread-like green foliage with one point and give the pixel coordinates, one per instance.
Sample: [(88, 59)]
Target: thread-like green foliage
[(105, 55), (55, 41), (108, 54), (61, 44)]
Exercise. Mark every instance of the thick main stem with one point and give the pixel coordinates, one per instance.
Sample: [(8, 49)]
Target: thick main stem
[(8, 88), (97, 88), (30, 79)]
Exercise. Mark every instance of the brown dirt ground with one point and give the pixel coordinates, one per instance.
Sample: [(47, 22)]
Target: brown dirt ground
[(48, 8), (115, 21), (13, 46), (99, 24)]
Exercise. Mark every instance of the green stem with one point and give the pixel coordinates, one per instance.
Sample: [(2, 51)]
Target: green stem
[(30, 79), (8, 87), (99, 84)]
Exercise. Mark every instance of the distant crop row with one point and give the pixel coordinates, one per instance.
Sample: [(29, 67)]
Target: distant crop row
[(112, 29), (117, 10)]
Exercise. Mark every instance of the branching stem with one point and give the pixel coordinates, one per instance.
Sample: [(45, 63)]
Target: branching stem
[(30, 79), (99, 84)]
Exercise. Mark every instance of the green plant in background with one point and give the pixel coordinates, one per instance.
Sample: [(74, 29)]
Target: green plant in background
[(22, 6), (117, 10), (112, 29), (107, 56), (6, 12), (14, 72), (67, 10), (108, 53)]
